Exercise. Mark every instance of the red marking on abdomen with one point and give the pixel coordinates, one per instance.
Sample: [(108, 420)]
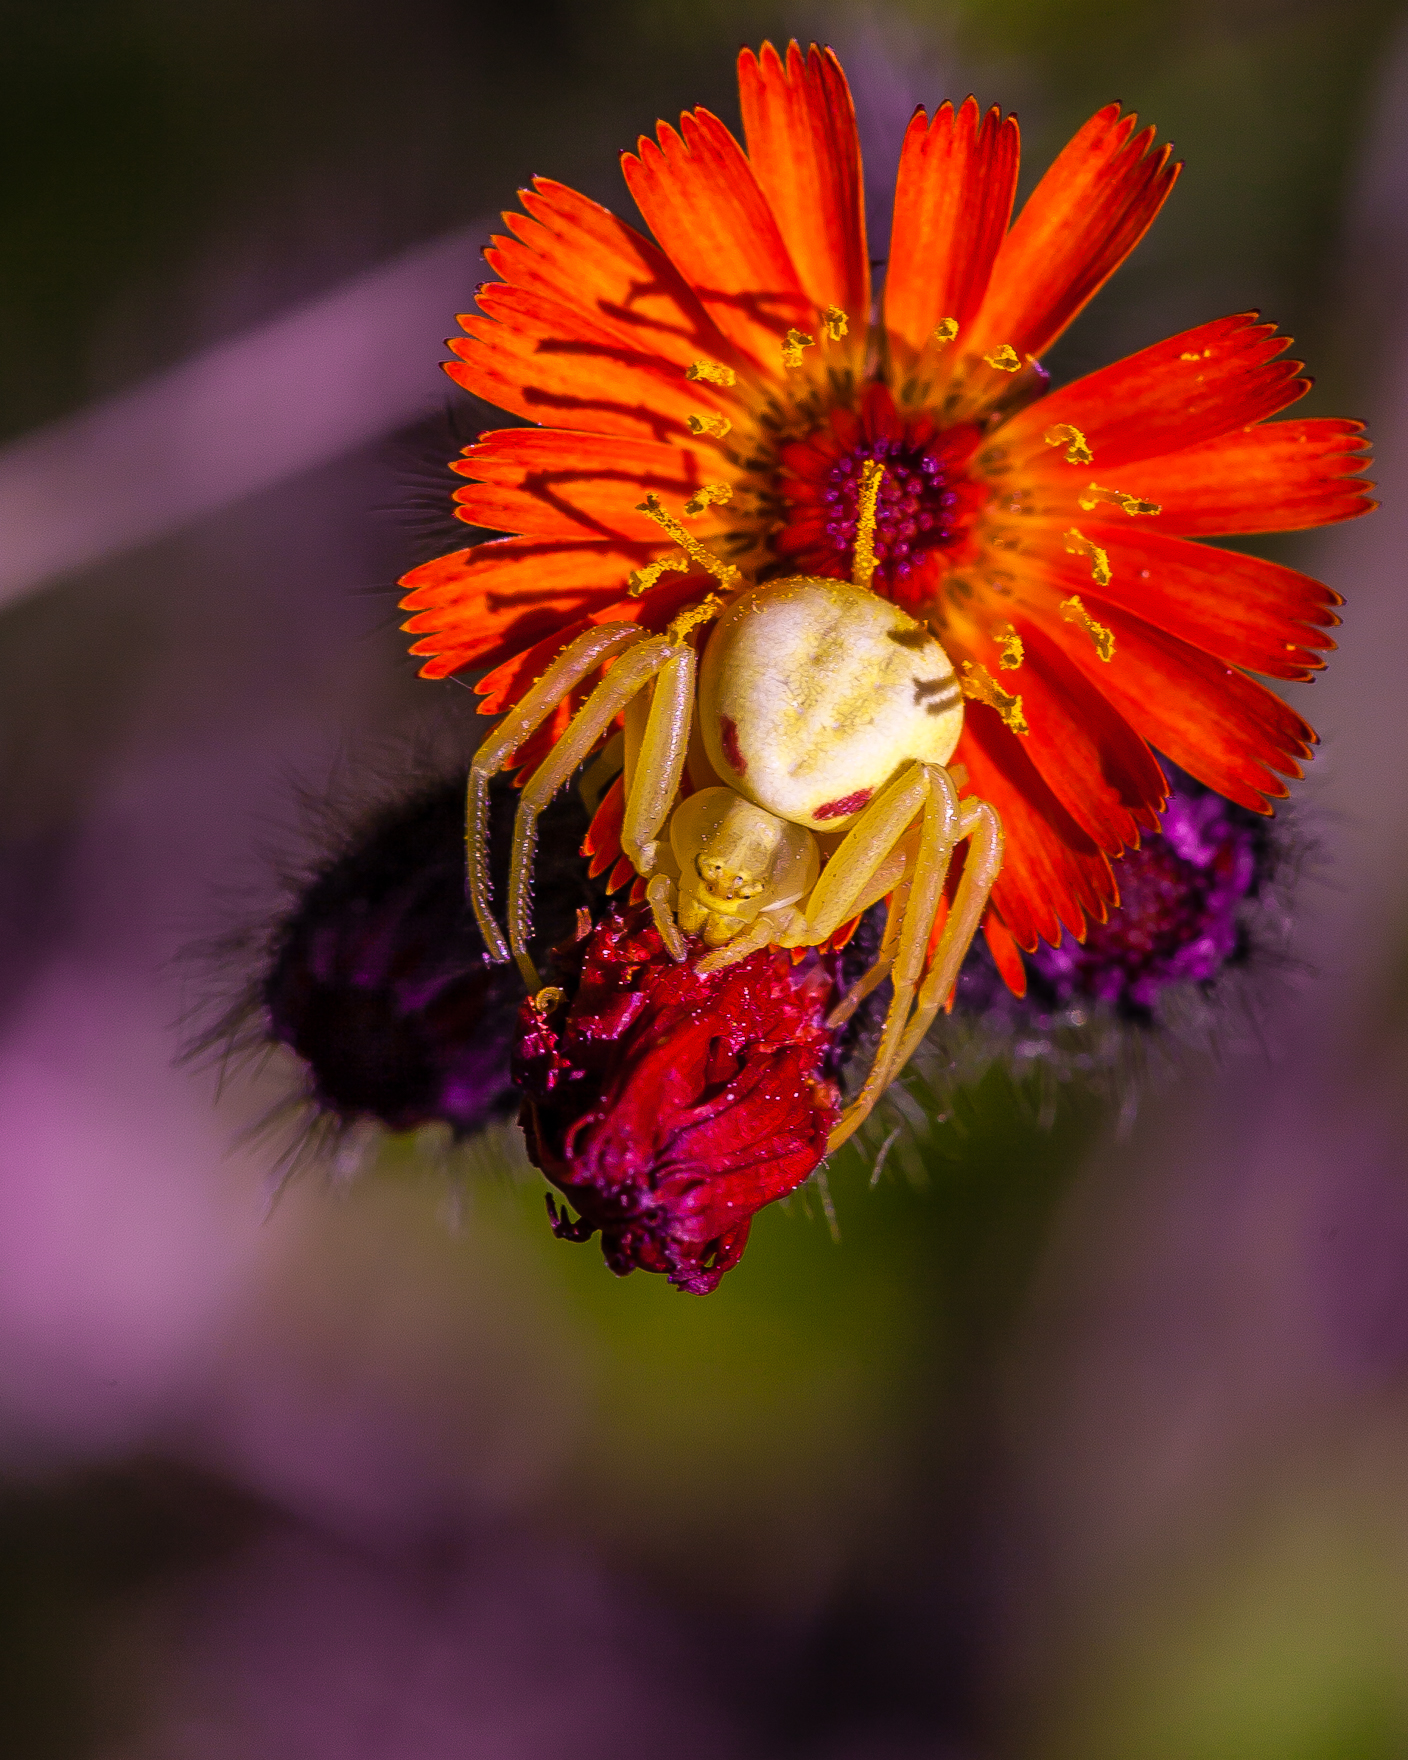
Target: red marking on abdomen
[(848, 803), (728, 739)]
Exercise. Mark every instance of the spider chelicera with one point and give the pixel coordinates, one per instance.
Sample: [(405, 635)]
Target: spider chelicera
[(815, 730)]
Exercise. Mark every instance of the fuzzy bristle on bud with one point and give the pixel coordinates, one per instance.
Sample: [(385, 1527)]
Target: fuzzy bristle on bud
[(1191, 902), (1177, 921), (378, 977)]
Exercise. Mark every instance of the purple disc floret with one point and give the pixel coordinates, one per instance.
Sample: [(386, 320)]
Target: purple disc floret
[(1178, 916)]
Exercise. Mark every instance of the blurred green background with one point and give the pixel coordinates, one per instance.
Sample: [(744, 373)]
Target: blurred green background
[(1055, 1453)]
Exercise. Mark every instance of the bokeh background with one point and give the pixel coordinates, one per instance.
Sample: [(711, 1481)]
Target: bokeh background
[(1087, 1441)]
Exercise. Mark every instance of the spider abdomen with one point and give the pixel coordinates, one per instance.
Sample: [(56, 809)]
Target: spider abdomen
[(814, 693)]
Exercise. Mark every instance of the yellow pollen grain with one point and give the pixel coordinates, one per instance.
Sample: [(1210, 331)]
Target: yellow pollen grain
[(1104, 639), (872, 474), (837, 323), (980, 685), (707, 608), (1012, 650), (1194, 355), (1131, 504), (709, 495), (710, 373), (947, 330), (1077, 544), (795, 342), (714, 426), (721, 571), (1079, 452), (641, 580), (1005, 359)]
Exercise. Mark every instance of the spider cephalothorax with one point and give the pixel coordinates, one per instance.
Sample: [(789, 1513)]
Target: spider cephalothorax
[(813, 736)]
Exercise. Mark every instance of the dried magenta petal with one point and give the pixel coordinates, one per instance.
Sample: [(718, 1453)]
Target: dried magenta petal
[(669, 1106)]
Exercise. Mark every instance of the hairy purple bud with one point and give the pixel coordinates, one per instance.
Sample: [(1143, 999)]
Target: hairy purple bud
[(1178, 919)]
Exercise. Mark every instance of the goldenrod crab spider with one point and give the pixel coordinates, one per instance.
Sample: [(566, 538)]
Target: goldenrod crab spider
[(825, 717)]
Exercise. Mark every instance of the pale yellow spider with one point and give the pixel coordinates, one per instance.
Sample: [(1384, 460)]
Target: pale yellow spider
[(816, 734)]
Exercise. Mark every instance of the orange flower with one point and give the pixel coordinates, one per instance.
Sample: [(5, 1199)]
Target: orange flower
[(734, 368)]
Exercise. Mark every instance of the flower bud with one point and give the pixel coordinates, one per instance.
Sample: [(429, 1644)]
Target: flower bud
[(1178, 919), (1198, 908), (378, 977)]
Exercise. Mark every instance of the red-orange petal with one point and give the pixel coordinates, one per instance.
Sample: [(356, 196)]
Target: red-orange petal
[(1078, 225), (551, 482), (1282, 477), (953, 202), (603, 840), (700, 198), (478, 606), (1007, 957), (800, 128), (536, 748), (1221, 726), (1195, 386), (553, 362), (1096, 765), (1243, 609), (573, 249), (500, 689), (511, 678), (1053, 872)]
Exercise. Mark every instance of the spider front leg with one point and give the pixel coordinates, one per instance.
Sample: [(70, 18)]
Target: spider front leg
[(571, 666), (920, 993), (638, 664), (630, 675), (657, 767), (868, 857)]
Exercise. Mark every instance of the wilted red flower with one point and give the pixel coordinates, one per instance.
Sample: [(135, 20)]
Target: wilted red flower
[(668, 1106), (733, 366)]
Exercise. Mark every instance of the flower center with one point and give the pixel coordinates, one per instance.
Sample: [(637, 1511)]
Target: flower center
[(918, 508), (928, 500)]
